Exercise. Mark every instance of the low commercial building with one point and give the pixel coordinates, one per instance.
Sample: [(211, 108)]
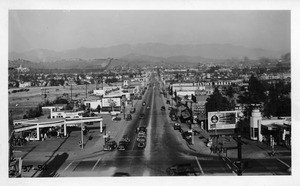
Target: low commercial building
[(276, 130)]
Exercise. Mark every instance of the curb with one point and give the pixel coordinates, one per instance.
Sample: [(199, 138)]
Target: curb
[(190, 147)]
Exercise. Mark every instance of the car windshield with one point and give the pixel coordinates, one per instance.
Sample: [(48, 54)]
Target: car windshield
[(122, 142)]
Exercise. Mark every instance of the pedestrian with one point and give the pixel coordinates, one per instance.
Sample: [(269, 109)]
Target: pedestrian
[(45, 135)]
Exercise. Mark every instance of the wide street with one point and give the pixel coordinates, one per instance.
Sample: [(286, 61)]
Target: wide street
[(164, 148)]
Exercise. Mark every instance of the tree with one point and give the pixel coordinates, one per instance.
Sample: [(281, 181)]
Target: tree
[(255, 93), (217, 102), (186, 97), (278, 102)]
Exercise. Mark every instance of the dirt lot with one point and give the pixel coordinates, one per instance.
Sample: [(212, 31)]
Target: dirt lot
[(20, 102)]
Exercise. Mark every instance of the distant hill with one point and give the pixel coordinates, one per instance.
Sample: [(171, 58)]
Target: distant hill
[(25, 63), (62, 64), (154, 50)]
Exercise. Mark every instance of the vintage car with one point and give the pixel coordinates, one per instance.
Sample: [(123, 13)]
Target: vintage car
[(110, 145), (176, 126), (142, 116), (181, 170), (123, 145), (132, 110), (141, 142), (128, 117)]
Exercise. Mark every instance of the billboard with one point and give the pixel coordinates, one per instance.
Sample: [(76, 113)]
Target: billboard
[(222, 120), (199, 110), (108, 102)]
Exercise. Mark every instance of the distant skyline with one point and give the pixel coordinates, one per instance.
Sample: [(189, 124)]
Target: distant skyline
[(62, 30)]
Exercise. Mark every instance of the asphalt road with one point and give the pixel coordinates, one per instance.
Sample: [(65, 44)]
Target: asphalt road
[(164, 148)]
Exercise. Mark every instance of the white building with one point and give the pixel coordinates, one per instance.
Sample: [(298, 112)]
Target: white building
[(25, 84), (93, 104)]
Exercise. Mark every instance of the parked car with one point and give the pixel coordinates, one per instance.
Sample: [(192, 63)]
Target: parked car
[(128, 117), (142, 116), (121, 174), (177, 126), (110, 145), (125, 138), (174, 117), (196, 132), (148, 107), (123, 145), (144, 103), (187, 136), (163, 108), (181, 170), (132, 110)]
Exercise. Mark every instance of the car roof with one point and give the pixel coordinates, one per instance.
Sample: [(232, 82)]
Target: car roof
[(111, 141)]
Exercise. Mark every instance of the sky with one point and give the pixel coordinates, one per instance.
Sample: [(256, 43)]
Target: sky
[(63, 29)]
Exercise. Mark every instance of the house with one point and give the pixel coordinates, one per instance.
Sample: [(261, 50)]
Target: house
[(25, 84), (21, 69)]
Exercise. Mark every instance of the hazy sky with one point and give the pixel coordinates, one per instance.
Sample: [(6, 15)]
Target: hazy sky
[(59, 30)]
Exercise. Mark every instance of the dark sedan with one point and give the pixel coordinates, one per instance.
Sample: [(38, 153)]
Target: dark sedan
[(122, 145), (181, 170), (142, 116), (177, 126), (110, 145)]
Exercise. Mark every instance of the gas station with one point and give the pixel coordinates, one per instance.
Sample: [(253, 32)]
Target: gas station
[(36, 125)]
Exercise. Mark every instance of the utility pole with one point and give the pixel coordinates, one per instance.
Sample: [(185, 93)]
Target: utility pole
[(239, 146), (44, 94), (81, 136), (71, 93), (85, 90)]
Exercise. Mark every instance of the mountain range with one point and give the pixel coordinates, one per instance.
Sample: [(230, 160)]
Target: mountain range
[(151, 52)]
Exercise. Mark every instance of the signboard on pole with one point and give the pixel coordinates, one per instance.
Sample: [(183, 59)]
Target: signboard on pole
[(222, 120), (199, 110), (107, 102)]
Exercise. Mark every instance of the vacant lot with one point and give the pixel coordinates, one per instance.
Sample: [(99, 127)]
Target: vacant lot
[(21, 102)]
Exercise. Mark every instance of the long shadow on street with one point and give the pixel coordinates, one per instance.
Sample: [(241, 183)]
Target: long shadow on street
[(51, 168)]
